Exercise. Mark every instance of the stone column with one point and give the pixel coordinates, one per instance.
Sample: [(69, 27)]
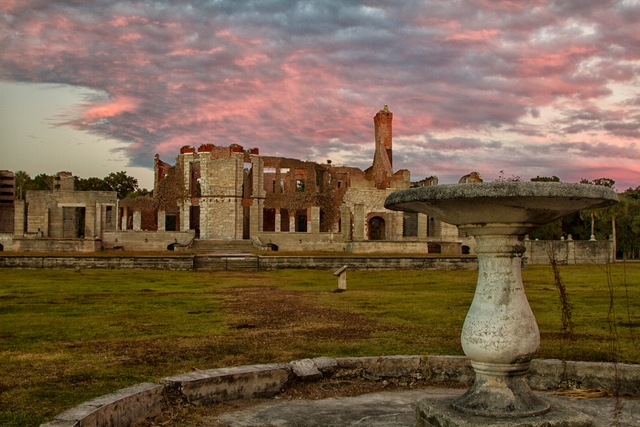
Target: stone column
[(90, 221), (345, 222), (97, 224), (123, 223), (162, 220), (313, 223), (422, 226), (292, 221), (185, 215), (500, 334), (448, 232), (45, 223), (278, 220), (137, 221), (358, 222), (18, 218)]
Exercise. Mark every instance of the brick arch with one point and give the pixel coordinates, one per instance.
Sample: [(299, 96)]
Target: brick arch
[(376, 225)]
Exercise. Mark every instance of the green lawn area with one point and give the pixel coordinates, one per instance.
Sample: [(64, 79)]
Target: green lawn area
[(66, 337)]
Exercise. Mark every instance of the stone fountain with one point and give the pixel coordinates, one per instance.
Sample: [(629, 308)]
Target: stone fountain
[(500, 334)]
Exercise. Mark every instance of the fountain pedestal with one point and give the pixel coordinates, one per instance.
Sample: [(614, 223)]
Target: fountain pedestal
[(500, 334)]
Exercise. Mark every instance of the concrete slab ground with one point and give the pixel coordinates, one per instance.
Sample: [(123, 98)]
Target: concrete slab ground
[(396, 409)]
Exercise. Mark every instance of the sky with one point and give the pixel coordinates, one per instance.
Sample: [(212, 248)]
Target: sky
[(529, 87)]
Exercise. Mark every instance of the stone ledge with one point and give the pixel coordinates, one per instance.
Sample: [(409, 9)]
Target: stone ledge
[(121, 408), (219, 385), (142, 401)]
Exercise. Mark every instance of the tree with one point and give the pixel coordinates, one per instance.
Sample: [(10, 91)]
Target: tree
[(121, 183), (545, 179), (41, 182), (22, 181), (627, 221), (90, 184), (141, 192), (605, 182)]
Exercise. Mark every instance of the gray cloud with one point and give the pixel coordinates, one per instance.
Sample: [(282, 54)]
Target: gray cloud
[(296, 76)]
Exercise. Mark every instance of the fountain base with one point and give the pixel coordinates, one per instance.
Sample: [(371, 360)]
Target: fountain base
[(500, 391), (440, 413)]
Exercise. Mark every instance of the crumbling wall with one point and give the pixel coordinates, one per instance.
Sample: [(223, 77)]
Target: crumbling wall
[(319, 188), (147, 207), (170, 190)]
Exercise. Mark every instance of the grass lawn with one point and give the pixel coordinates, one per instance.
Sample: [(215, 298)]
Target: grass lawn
[(66, 337)]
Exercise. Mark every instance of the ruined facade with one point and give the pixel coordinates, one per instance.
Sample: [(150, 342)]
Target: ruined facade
[(7, 196), (63, 219), (229, 193)]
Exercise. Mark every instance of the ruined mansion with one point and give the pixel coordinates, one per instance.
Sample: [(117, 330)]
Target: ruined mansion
[(223, 194)]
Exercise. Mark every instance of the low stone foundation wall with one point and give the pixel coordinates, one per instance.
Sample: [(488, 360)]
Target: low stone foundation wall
[(46, 244), (368, 263), (206, 262), (403, 247), (144, 401), (101, 262), (569, 251), (145, 240)]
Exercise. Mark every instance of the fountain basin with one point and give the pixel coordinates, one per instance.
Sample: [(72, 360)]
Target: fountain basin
[(500, 334), (501, 207)]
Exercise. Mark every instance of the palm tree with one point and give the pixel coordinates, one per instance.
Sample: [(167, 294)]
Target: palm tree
[(22, 179)]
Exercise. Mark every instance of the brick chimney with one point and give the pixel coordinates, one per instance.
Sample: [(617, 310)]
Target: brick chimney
[(382, 126)]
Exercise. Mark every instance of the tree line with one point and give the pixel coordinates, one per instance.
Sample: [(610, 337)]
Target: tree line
[(123, 184)]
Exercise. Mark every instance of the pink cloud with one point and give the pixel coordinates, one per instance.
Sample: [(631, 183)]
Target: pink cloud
[(477, 35), (296, 82), (112, 108)]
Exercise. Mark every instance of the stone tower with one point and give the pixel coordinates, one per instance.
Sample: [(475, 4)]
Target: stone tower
[(381, 172), (382, 125)]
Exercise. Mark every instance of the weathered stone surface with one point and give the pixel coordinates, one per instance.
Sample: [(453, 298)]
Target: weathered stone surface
[(546, 374), (550, 374), (219, 385), (450, 369), (523, 203), (56, 423), (375, 368), (268, 263), (326, 364), (305, 369), (439, 413), (121, 408), (500, 334)]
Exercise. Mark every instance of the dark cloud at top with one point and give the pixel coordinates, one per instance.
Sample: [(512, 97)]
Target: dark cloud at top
[(305, 77)]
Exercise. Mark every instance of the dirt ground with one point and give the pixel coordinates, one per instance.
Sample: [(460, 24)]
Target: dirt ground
[(268, 315)]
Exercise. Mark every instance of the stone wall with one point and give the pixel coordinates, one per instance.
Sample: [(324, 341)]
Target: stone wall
[(221, 201), (6, 240), (45, 244), (53, 213), (404, 247), (237, 262), (287, 241), (569, 251), (184, 262), (268, 263), (371, 203), (145, 240)]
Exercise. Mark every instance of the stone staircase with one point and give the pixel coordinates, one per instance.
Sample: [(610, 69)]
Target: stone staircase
[(222, 246)]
